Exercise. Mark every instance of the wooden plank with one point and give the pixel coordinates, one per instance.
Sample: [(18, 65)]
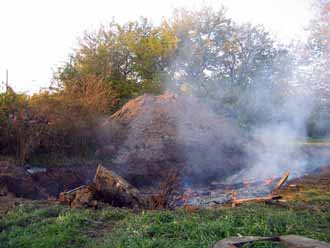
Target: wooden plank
[(281, 182), (257, 199)]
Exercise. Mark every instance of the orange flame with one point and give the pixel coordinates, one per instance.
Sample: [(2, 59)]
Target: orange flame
[(246, 183), (187, 195), (269, 181)]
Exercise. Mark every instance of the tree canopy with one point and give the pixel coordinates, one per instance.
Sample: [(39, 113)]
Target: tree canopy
[(239, 70)]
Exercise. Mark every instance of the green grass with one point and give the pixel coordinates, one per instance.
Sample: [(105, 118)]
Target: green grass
[(313, 142), (39, 225)]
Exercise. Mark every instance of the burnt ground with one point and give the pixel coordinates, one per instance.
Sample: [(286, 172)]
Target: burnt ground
[(306, 190), (311, 191), (48, 224), (319, 178)]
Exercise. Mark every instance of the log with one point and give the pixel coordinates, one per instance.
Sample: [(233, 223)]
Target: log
[(73, 191), (281, 182), (106, 187), (257, 199), (79, 197), (115, 190)]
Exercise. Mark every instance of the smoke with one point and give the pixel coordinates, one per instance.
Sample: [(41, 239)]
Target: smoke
[(239, 110), (276, 138), (278, 143)]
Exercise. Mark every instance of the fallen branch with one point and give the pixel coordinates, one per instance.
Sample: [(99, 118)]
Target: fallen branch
[(72, 191), (236, 202), (281, 182)]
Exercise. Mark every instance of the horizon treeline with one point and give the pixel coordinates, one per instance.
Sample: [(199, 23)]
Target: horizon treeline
[(239, 70)]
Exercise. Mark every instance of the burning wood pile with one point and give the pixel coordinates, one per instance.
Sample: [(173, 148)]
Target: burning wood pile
[(234, 194), (107, 187)]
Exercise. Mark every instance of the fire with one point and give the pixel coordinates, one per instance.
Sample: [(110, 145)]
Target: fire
[(269, 181), (187, 195), (246, 183), (238, 193)]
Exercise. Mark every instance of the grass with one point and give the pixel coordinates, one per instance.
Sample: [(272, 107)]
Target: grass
[(38, 225), (323, 142)]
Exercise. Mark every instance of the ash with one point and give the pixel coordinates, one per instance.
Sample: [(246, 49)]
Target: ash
[(220, 194)]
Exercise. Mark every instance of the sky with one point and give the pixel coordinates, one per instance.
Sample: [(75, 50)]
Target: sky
[(36, 36)]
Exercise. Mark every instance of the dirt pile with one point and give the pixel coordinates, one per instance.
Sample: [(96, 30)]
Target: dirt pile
[(41, 184), (16, 180), (58, 179), (152, 134)]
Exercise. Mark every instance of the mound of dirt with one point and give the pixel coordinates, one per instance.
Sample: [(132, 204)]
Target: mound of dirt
[(58, 179), (152, 134), (48, 182), (16, 180)]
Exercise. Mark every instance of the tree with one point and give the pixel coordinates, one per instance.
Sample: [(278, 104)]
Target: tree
[(318, 50), (226, 64), (128, 59)]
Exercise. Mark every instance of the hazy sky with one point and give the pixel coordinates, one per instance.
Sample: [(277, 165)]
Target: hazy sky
[(37, 35)]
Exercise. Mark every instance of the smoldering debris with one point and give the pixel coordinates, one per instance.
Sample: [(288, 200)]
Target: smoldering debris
[(107, 187), (153, 134)]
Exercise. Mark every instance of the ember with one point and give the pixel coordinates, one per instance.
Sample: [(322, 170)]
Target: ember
[(247, 183), (235, 194), (269, 181)]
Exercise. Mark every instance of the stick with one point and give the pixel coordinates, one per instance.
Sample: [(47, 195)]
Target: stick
[(257, 199), (281, 182)]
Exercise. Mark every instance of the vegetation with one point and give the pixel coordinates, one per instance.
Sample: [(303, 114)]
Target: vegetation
[(40, 225), (238, 70)]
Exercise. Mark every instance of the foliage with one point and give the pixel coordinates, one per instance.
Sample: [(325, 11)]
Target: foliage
[(127, 59), (238, 69), (13, 115), (40, 225)]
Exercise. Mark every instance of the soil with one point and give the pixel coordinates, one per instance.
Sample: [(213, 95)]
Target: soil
[(59, 179), (18, 181), (319, 178), (43, 184), (151, 135), (8, 201), (147, 138)]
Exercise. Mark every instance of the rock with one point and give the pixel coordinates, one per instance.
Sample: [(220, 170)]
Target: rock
[(295, 241), (114, 190), (290, 241), (152, 134), (232, 241)]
